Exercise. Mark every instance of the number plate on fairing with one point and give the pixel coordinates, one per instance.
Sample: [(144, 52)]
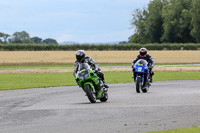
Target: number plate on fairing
[(139, 69)]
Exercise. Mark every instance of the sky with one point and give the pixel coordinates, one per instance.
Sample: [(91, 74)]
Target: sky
[(81, 21)]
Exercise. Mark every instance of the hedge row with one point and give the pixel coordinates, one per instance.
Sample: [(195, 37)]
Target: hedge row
[(130, 46)]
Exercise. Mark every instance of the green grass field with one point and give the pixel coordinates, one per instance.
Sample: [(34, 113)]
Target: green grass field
[(48, 66), (19, 67), (13, 81), (184, 130)]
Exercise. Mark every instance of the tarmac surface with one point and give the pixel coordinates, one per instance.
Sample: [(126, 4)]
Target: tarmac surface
[(167, 105)]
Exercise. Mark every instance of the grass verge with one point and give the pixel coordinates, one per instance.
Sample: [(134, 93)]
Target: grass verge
[(50, 66), (184, 130), (16, 67), (37, 80), (65, 66)]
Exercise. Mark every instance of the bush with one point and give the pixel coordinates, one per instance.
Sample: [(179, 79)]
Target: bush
[(129, 46)]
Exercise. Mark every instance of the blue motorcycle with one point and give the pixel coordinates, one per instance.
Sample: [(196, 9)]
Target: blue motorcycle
[(141, 76)]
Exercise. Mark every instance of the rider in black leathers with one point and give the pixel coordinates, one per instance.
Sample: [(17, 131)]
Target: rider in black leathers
[(143, 55), (82, 58)]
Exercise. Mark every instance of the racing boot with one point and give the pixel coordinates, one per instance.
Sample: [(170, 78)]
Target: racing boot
[(151, 80), (151, 75), (134, 80), (106, 86)]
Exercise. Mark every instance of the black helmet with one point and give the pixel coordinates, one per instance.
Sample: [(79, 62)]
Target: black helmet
[(143, 51), (80, 54)]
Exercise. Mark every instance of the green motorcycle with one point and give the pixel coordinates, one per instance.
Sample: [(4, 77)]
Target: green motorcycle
[(91, 84)]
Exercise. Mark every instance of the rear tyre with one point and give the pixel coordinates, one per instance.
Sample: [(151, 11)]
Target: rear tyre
[(138, 84), (90, 94), (105, 98), (144, 90)]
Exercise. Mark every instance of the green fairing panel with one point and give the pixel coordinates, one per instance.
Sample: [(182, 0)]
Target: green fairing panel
[(99, 93)]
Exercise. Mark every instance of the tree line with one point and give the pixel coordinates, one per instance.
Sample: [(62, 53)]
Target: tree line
[(167, 21), (24, 38)]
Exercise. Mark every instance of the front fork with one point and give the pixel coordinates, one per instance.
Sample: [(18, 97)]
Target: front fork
[(144, 78), (91, 86), (97, 93)]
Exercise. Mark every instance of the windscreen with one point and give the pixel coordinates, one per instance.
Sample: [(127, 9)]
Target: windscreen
[(141, 62), (83, 66)]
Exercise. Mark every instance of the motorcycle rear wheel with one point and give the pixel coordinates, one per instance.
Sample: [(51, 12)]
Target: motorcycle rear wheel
[(105, 97), (90, 94), (144, 90)]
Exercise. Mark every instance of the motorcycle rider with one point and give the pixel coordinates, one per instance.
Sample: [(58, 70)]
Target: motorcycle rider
[(82, 58), (143, 55)]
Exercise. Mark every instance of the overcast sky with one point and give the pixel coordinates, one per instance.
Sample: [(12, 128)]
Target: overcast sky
[(70, 20)]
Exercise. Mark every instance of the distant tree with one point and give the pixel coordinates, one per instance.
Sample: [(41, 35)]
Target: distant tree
[(171, 21), (195, 22), (50, 41), (154, 21), (1, 35), (123, 42), (148, 23), (138, 22), (26, 41), (36, 40), (23, 37), (136, 38), (176, 16), (19, 37), (4, 36)]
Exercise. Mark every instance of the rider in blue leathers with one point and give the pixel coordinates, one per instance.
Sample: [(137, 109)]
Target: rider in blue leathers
[(143, 55)]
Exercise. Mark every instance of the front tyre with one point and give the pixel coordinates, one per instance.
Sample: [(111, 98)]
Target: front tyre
[(105, 97), (90, 94), (138, 84)]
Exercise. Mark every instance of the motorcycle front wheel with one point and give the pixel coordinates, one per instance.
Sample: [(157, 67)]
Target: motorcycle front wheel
[(90, 93), (138, 84)]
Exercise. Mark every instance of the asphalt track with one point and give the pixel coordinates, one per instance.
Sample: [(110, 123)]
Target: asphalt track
[(167, 105)]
